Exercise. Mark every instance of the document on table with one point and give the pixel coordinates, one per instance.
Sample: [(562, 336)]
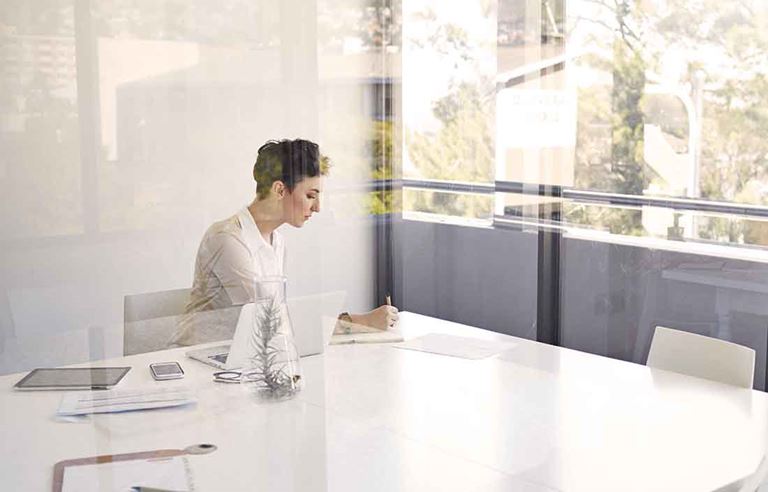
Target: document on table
[(85, 402), (120, 476), (467, 348)]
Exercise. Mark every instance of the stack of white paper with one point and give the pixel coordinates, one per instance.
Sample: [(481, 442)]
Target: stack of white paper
[(82, 403)]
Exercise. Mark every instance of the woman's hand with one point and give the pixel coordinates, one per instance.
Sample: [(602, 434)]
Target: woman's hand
[(382, 318)]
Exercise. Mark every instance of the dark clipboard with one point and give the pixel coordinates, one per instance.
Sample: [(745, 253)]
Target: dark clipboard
[(58, 469)]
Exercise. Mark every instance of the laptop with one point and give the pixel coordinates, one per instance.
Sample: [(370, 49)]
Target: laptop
[(313, 319)]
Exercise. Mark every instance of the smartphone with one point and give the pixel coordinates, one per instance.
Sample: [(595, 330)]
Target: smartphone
[(166, 370)]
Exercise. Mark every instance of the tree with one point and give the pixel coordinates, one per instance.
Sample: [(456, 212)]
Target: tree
[(461, 150), (627, 119), (726, 42), (462, 147), (610, 128), (382, 202)]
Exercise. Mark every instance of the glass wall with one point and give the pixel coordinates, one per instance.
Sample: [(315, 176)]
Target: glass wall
[(573, 171), (596, 98), (576, 172)]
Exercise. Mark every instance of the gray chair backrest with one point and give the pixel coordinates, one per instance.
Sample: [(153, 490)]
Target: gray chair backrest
[(149, 319), (703, 357)]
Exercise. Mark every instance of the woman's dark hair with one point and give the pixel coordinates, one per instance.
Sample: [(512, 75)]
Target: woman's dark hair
[(289, 161)]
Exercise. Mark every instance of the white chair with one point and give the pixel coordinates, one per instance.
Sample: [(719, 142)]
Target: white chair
[(703, 357), (149, 320)]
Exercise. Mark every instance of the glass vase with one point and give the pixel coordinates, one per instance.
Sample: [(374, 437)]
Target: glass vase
[(271, 370)]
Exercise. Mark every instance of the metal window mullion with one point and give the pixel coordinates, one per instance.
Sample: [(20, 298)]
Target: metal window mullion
[(87, 63)]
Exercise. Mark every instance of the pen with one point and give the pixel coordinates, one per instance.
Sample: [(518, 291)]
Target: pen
[(389, 300)]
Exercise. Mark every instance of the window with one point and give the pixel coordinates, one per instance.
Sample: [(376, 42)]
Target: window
[(449, 68), (644, 117)]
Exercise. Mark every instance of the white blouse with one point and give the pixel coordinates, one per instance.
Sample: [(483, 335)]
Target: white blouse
[(232, 257)]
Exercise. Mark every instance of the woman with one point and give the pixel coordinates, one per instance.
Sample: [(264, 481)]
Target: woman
[(234, 253)]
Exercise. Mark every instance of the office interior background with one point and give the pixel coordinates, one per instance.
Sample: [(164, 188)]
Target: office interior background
[(571, 171)]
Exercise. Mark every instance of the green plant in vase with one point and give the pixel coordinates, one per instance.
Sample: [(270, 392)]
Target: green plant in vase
[(273, 366)]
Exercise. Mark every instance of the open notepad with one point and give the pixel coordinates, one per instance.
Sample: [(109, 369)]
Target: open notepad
[(389, 336)]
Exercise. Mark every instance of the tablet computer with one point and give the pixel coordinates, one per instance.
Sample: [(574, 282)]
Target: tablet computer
[(80, 378)]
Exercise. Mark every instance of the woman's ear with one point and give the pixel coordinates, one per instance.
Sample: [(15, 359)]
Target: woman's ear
[(278, 189)]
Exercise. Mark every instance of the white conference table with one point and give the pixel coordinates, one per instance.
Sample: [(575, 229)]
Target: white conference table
[(376, 418)]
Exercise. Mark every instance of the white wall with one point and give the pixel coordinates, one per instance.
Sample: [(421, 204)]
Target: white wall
[(126, 131)]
